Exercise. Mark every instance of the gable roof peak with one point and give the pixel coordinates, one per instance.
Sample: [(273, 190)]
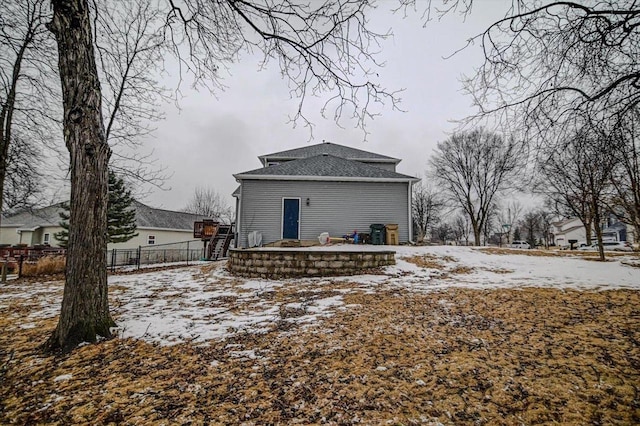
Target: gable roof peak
[(328, 148), (324, 167)]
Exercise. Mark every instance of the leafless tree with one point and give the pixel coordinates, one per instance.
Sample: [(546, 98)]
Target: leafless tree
[(472, 167), (427, 206), (536, 225), (546, 217), (462, 228), (85, 306), (23, 182), (492, 224), (28, 98), (577, 175), (208, 203), (625, 201), (130, 47), (320, 47), (443, 232)]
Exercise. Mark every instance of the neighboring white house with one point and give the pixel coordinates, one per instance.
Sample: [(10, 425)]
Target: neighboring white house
[(568, 229), (573, 229), (324, 188), (155, 226)]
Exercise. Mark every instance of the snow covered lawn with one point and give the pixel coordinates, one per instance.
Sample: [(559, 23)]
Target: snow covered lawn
[(449, 335)]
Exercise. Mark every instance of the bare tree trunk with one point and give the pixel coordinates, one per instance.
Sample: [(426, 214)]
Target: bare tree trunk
[(598, 229), (476, 234), (588, 224), (85, 307)]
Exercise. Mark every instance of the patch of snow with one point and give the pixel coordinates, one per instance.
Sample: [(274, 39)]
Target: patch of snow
[(187, 305), (248, 354), (62, 378)]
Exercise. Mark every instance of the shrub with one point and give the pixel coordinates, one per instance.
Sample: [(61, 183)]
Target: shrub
[(47, 265)]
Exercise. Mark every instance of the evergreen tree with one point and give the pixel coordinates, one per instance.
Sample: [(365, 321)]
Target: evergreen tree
[(63, 236), (516, 234), (121, 217)]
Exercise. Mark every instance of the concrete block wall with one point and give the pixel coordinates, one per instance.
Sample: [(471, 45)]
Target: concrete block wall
[(276, 264)]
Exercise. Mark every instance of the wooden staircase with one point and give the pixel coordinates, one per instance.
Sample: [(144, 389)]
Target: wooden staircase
[(219, 243)]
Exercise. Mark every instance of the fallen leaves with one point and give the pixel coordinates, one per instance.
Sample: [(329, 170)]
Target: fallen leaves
[(455, 356)]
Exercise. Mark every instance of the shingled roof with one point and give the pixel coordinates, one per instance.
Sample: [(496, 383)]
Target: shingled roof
[(34, 218), (331, 149), (146, 217), (150, 217), (323, 166)]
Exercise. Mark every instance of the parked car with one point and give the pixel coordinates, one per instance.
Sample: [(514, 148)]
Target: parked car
[(609, 246), (520, 245)]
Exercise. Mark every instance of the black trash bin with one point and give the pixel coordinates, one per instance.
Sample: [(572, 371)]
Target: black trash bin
[(377, 231)]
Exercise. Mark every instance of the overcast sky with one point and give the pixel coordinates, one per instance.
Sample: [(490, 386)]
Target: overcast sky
[(212, 137)]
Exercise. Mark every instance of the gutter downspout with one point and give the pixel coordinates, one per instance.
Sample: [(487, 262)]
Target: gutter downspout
[(410, 201), (238, 216)]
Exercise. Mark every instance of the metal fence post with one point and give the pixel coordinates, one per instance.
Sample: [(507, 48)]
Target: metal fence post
[(188, 253), (139, 255)]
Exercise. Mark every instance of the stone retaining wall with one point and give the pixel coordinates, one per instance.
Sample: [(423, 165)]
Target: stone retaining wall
[(276, 264)]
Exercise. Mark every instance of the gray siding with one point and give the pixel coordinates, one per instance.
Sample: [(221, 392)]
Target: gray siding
[(334, 207)]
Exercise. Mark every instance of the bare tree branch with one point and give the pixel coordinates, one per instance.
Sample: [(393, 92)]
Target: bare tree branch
[(319, 47), (554, 62)]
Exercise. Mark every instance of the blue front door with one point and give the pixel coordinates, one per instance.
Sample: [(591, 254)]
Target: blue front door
[(290, 218)]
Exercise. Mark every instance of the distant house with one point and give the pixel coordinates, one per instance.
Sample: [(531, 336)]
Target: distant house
[(567, 229), (300, 193), (155, 226), (573, 229), (617, 231)]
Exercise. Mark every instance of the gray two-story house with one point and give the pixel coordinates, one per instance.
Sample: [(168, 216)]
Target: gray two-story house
[(300, 193)]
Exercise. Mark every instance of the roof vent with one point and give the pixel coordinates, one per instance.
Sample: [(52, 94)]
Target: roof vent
[(324, 154)]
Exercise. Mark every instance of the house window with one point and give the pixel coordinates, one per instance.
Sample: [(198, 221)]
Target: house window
[(45, 239), (151, 240)]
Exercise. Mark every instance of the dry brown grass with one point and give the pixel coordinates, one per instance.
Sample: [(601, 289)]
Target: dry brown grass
[(498, 270), (589, 255), (458, 356), (440, 263), (48, 265), (461, 269), (509, 251), (430, 261)]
